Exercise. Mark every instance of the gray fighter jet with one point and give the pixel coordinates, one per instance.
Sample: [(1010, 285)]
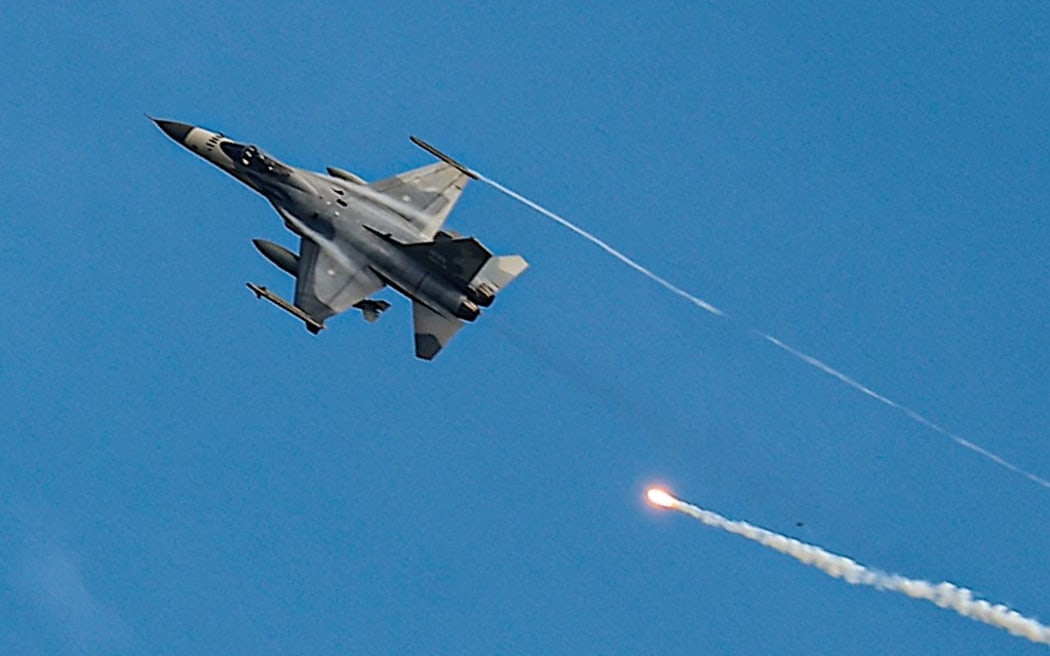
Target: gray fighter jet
[(355, 238)]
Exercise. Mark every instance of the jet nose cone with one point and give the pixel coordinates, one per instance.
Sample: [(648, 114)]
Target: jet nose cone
[(173, 129)]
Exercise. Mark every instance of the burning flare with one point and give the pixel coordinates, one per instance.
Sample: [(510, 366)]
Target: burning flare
[(944, 594), (661, 498)]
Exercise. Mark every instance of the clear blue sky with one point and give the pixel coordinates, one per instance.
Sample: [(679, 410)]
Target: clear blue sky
[(184, 470)]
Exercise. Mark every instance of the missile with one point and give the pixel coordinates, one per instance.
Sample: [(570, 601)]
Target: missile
[(345, 175), (279, 255), (443, 157), (313, 325)]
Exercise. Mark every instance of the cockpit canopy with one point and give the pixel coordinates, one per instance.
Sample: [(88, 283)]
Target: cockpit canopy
[(253, 159)]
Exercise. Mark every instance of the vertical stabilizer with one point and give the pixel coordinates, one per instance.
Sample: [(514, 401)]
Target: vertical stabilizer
[(432, 330)]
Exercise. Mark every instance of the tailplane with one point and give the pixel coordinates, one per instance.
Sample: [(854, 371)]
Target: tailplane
[(497, 272)]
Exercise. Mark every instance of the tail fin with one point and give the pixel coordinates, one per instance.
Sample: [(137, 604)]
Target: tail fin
[(432, 330)]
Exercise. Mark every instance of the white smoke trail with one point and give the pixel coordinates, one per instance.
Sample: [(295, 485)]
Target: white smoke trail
[(915, 416), (699, 302), (943, 594), (808, 359)]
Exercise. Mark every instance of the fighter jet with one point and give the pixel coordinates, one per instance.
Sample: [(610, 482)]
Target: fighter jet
[(356, 238)]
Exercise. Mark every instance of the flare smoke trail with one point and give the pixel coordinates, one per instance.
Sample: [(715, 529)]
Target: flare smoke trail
[(943, 594), (808, 359)]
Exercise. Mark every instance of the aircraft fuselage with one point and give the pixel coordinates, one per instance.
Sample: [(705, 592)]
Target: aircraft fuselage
[(348, 220)]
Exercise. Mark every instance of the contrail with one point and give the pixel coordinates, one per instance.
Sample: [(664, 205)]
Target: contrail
[(808, 359), (943, 594), (699, 302)]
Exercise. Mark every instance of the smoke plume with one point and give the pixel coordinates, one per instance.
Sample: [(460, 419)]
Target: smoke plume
[(944, 594)]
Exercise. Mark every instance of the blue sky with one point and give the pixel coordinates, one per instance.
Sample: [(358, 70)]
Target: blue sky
[(185, 470)]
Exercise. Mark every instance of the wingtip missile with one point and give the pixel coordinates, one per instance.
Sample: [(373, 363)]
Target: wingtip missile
[(443, 157)]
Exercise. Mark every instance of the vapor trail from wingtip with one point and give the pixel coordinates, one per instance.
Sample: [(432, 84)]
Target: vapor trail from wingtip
[(808, 359), (911, 414), (943, 594), (699, 302)]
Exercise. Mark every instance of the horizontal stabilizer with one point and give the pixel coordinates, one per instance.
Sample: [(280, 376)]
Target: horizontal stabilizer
[(499, 271)]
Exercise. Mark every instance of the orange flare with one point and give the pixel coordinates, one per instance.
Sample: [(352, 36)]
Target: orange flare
[(661, 498)]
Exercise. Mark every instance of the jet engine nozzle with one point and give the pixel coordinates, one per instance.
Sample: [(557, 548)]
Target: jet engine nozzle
[(483, 294), (468, 311)]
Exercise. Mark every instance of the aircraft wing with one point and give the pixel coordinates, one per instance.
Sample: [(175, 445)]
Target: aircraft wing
[(328, 284), (432, 330), (424, 196)]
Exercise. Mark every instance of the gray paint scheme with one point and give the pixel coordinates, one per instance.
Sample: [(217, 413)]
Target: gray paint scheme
[(357, 238)]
